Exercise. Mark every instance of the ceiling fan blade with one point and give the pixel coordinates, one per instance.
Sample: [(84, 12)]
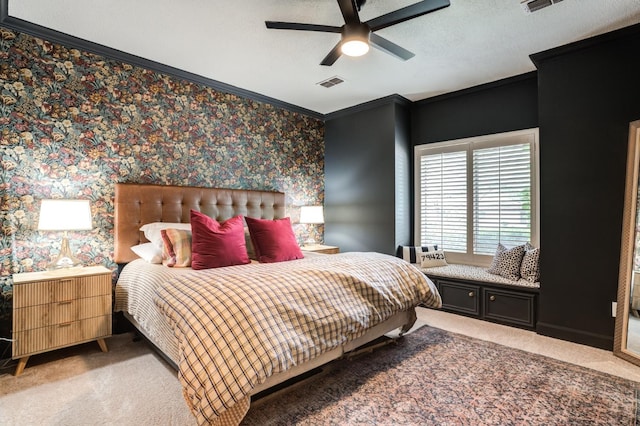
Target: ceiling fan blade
[(390, 47), (333, 56), (406, 13), (302, 27), (349, 11)]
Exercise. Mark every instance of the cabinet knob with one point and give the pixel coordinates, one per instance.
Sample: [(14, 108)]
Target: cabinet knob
[(471, 294), (492, 298)]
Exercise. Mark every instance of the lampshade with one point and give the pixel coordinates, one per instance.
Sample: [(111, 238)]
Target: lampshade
[(311, 214), (65, 215)]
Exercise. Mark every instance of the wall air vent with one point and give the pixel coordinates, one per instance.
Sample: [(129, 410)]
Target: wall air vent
[(531, 6), (330, 82)]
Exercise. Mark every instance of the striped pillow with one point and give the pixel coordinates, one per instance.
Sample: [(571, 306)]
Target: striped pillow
[(176, 250), (412, 254)]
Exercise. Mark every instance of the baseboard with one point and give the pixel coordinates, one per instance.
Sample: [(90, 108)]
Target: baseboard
[(582, 337)]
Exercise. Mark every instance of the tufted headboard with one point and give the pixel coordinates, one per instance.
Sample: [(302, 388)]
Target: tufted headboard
[(137, 204)]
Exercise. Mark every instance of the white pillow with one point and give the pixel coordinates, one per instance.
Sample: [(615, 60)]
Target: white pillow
[(432, 258), (148, 252), (152, 230)]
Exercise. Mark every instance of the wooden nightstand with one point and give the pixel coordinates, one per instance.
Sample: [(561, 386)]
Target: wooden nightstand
[(320, 248), (55, 309)]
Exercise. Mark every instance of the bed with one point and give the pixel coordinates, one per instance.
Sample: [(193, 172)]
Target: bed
[(234, 331)]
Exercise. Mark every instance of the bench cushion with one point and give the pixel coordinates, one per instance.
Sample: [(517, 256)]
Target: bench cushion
[(475, 273)]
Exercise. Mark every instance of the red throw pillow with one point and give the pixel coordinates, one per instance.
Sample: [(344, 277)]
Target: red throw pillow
[(214, 244), (273, 240)]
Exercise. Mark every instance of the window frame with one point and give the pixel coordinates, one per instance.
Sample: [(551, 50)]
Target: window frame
[(530, 136)]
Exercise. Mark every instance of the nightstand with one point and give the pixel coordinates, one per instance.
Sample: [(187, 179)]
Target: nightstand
[(55, 309), (321, 248)]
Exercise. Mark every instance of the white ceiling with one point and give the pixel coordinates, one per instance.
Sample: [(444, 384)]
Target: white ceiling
[(469, 43)]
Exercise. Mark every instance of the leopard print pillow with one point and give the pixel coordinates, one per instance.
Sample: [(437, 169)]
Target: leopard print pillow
[(506, 262), (530, 267)]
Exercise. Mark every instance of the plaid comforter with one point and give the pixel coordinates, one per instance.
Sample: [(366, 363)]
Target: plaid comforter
[(236, 326)]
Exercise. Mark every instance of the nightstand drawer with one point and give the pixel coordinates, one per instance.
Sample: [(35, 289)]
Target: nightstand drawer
[(60, 290), (38, 316), (56, 336)]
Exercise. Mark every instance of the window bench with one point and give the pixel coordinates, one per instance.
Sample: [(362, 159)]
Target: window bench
[(472, 291)]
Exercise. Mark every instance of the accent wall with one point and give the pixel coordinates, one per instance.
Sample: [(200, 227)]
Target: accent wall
[(74, 123)]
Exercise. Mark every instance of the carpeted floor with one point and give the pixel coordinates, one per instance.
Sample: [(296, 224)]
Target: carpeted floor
[(433, 377), (80, 385)]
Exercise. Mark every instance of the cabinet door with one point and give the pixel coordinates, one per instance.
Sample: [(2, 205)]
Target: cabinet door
[(509, 307), (458, 297)]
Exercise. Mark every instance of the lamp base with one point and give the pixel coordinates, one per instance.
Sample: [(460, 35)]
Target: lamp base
[(65, 259)]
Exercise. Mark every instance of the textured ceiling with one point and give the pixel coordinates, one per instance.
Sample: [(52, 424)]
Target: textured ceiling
[(469, 43)]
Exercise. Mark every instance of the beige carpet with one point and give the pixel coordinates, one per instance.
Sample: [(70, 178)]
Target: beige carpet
[(83, 386)]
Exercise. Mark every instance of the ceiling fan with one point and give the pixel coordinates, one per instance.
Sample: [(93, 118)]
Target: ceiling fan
[(356, 36)]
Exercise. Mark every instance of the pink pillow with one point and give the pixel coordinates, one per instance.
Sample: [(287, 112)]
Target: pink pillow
[(214, 244), (273, 240)]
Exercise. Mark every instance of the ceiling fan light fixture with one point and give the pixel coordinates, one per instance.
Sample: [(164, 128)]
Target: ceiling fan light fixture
[(357, 36), (355, 47), (355, 39)]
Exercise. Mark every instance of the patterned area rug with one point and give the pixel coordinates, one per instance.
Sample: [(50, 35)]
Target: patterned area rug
[(434, 377)]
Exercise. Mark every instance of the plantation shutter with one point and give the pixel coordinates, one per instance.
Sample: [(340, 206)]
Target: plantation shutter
[(443, 198), (501, 197)]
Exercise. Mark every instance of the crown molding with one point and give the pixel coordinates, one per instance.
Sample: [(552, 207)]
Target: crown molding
[(395, 99), (622, 33)]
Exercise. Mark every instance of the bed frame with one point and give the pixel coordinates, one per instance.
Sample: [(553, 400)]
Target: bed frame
[(137, 204)]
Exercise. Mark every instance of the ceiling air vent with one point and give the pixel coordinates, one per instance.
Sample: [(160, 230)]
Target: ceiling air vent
[(330, 82), (531, 6)]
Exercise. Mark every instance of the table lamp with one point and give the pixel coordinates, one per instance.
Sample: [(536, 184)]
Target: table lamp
[(311, 215), (64, 215)]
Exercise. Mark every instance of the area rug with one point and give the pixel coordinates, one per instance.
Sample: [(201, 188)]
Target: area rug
[(434, 377)]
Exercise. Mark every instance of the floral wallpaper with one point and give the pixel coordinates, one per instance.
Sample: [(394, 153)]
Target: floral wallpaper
[(74, 123)]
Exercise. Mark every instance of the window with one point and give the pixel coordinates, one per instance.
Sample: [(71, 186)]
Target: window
[(472, 194)]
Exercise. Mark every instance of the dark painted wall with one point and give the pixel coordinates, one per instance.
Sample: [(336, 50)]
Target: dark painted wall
[(587, 98), (502, 106), (403, 176), (360, 178)]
